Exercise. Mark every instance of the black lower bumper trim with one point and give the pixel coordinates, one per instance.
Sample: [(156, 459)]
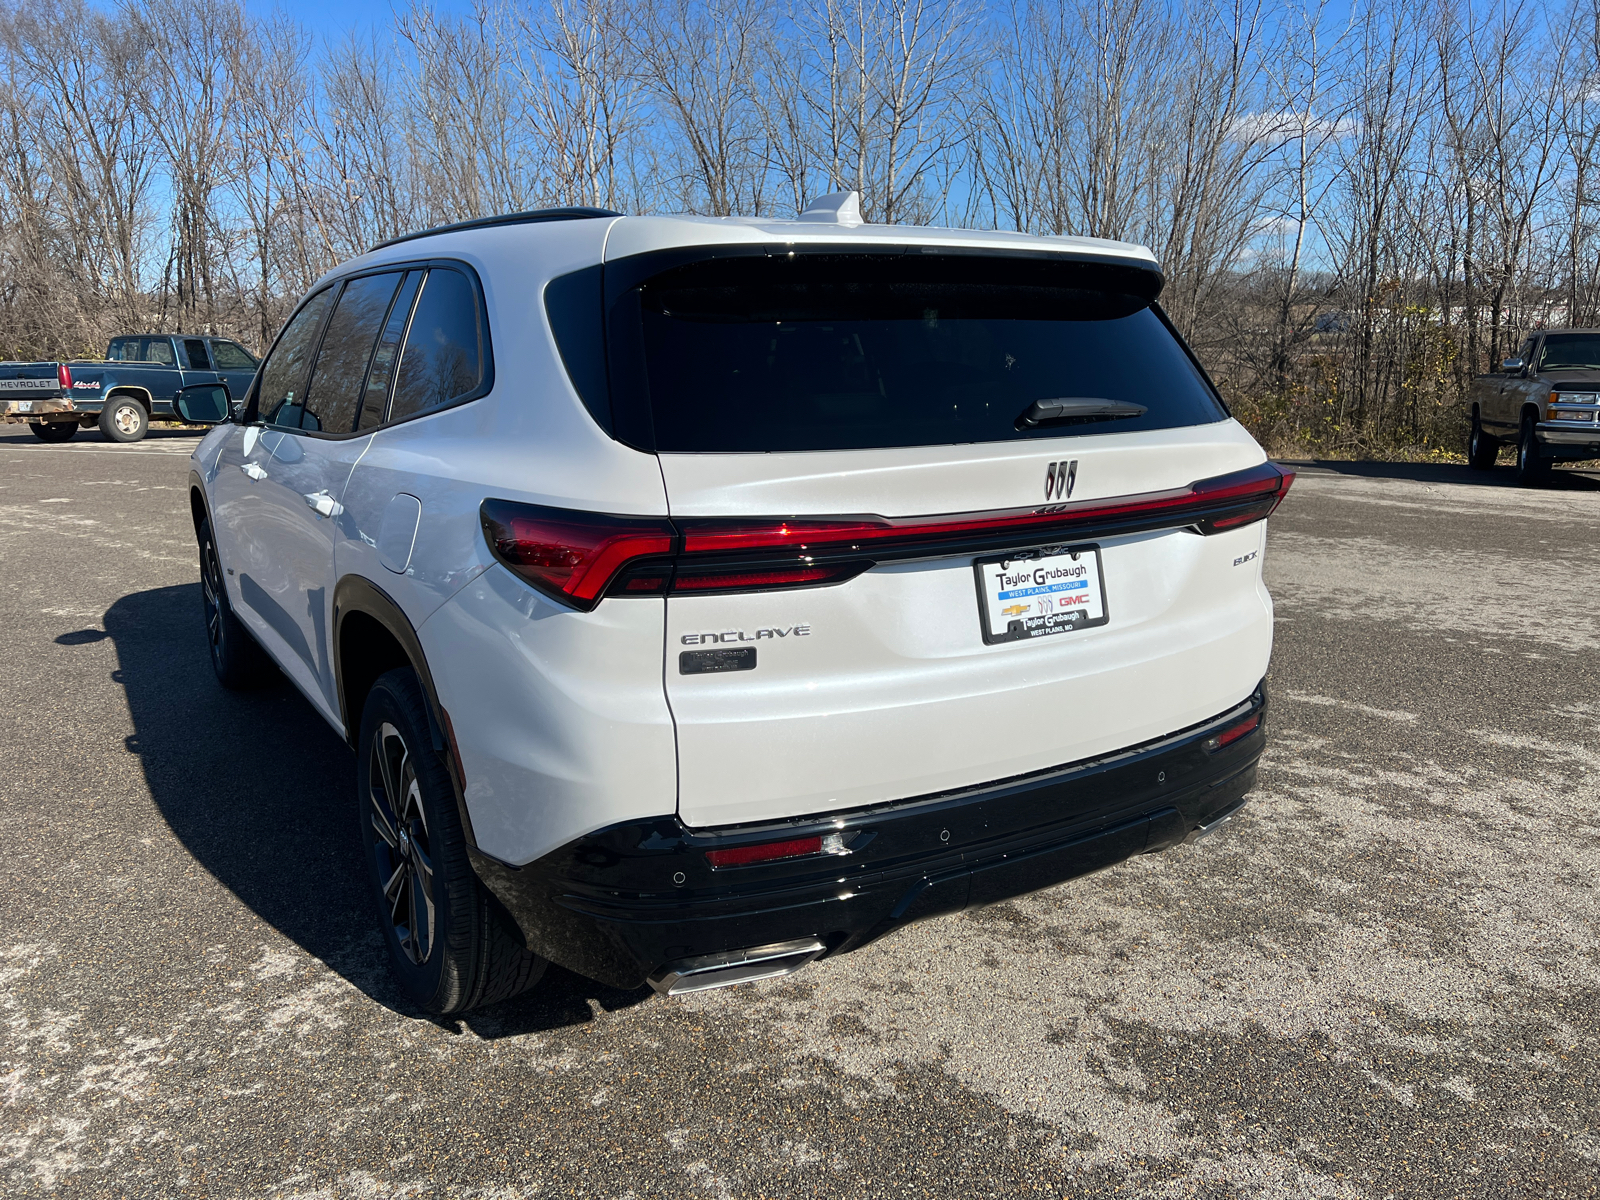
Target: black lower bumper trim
[(620, 903)]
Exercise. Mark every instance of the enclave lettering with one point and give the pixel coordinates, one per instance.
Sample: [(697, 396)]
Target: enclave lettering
[(739, 635)]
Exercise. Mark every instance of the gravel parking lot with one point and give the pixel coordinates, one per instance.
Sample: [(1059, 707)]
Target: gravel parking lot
[(1382, 981)]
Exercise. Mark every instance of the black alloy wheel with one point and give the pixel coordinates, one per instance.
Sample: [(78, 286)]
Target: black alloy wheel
[(401, 849), (1482, 449), (451, 945), (236, 657), (1532, 466), (53, 431)]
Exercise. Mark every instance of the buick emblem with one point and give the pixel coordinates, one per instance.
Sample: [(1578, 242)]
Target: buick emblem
[(1059, 478)]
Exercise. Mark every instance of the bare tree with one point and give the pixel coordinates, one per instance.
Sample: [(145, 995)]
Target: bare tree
[(189, 98), (585, 93)]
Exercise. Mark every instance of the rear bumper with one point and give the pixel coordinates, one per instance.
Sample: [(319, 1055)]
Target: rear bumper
[(48, 408), (633, 900)]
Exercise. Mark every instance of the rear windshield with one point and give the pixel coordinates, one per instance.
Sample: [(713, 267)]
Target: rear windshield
[(849, 352), (134, 349)]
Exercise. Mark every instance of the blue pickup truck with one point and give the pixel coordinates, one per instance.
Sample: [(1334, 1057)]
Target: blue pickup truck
[(133, 386)]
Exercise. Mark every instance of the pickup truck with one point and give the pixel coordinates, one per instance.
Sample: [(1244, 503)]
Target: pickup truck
[(1545, 399), (131, 387)]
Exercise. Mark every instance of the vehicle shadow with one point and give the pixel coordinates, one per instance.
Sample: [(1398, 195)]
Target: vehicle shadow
[(1583, 478), (262, 793)]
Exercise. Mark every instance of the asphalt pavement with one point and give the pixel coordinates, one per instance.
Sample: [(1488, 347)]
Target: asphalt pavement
[(1383, 980)]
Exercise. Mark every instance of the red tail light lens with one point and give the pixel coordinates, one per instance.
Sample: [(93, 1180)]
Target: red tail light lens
[(578, 557), (714, 579), (1266, 493), (64, 376), (570, 555)]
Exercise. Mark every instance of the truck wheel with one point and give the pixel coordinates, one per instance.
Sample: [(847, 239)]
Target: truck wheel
[(237, 658), (450, 945), (1532, 466), (1482, 449), (53, 431), (123, 419)]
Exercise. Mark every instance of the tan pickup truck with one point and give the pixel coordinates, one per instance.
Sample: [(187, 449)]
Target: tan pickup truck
[(1545, 399)]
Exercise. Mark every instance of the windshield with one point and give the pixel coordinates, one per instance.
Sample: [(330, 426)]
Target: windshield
[(1569, 351), (845, 352)]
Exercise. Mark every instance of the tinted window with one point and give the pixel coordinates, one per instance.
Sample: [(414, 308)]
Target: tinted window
[(156, 350), (575, 307), (382, 370), (442, 358), (230, 357), (335, 391), (199, 360), (1570, 351), (837, 352), (283, 375)]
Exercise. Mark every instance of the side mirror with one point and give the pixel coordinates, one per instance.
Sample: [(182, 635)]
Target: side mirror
[(1511, 366), (204, 404)]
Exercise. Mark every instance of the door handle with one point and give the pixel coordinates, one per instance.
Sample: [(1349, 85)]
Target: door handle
[(323, 504), (254, 470)]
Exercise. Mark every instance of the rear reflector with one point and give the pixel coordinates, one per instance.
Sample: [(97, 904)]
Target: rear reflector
[(1234, 732), (740, 856), (579, 557), (744, 856)]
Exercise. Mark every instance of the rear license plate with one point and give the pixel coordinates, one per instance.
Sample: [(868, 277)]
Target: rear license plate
[(1054, 590), (24, 405)]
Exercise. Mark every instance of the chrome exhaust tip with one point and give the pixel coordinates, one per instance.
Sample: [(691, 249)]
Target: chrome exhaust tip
[(1211, 826), (735, 966)]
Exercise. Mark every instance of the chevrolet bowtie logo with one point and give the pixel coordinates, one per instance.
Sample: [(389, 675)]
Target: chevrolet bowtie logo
[(1059, 478)]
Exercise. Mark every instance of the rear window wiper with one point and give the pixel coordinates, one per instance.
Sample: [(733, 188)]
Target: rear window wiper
[(1077, 408)]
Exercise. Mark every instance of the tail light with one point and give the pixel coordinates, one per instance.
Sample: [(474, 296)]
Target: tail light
[(1256, 502), (64, 377), (572, 556), (580, 557)]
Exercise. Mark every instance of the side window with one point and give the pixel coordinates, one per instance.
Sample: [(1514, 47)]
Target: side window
[(443, 357), (199, 360), (284, 374), (377, 391), (336, 382), (1525, 352), (230, 357)]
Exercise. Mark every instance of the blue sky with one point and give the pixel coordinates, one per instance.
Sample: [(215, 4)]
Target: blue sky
[(334, 17)]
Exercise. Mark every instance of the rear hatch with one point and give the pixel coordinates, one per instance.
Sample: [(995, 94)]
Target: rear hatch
[(927, 508)]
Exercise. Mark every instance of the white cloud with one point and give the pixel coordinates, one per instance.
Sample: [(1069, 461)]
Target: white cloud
[(1284, 124)]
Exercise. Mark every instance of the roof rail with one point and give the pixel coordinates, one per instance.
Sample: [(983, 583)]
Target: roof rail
[(533, 216)]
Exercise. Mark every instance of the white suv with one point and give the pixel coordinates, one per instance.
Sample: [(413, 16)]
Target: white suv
[(703, 596)]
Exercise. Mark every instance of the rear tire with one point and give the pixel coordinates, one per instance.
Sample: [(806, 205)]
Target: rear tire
[(53, 431), (1482, 449), (237, 658), (451, 946), (1533, 467), (123, 419)]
